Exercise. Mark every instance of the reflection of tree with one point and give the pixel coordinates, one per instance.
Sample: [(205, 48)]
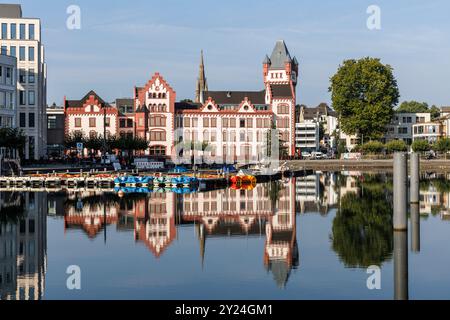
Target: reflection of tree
[(97, 202), (440, 184), (362, 228)]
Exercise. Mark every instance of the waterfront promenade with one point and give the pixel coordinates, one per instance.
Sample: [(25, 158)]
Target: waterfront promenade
[(363, 165)]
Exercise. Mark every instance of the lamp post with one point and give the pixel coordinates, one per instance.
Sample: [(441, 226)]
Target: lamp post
[(104, 134)]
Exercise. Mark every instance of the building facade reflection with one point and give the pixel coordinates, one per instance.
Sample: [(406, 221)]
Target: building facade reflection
[(23, 245)]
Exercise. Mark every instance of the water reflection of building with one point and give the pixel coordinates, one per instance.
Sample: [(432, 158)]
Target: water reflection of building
[(267, 210), (23, 246), (89, 212), (155, 221), (316, 193), (435, 198), (281, 250)]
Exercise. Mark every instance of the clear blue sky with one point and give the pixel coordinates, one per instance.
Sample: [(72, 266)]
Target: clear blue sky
[(121, 43)]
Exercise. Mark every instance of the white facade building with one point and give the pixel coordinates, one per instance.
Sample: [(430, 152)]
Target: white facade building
[(307, 136), (8, 107), (21, 37), (401, 127)]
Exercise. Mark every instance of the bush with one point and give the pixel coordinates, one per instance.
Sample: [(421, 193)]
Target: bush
[(421, 146), (396, 146), (442, 145), (372, 147)]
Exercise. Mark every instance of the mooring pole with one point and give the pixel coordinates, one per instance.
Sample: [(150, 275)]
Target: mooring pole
[(400, 265), (415, 227), (415, 177), (400, 191)]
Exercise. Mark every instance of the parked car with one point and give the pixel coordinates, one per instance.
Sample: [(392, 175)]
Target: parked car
[(306, 155), (318, 155)]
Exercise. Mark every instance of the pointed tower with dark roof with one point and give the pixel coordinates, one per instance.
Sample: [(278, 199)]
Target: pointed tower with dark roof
[(280, 72), (202, 84)]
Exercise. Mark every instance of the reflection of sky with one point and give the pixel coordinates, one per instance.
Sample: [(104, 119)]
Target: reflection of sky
[(233, 267)]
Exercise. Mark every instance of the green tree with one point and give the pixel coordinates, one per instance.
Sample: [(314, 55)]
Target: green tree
[(13, 139), (413, 107), (421, 146), (396, 146), (341, 148), (364, 93), (71, 140), (442, 145), (94, 144), (435, 112)]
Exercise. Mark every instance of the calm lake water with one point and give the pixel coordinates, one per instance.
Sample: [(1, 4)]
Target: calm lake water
[(304, 238)]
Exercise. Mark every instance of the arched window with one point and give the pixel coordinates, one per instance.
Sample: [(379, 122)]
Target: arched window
[(159, 95), (154, 95), (164, 108), (164, 95), (159, 108)]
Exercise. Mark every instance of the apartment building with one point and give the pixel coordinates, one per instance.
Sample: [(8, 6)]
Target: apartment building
[(401, 127), (20, 37), (8, 107)]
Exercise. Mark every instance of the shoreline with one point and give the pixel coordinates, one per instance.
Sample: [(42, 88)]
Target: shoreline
[(364, 165)]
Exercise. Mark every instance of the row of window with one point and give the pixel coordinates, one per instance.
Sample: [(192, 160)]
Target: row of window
[(92, 122), (6, 100), (157, 108), (31, 120), (410, 120), (126, 123), (6, 122), (10, 32), (226, 122), (283, 122), (227, 136), (27, 97), (283, 109), (22, 52), (155, 95), (6, 75)]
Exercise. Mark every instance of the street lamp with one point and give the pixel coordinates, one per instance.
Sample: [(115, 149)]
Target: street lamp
[(104, 134)]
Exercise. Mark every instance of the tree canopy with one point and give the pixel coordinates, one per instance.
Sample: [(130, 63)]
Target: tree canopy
[(364, 93), (414, 107)]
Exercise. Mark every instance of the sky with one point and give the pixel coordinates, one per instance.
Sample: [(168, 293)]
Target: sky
[(122, 43)]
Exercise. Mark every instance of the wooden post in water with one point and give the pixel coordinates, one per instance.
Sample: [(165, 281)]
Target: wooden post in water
[(415, 227), (400, 265), (415, 178), (400, 191)]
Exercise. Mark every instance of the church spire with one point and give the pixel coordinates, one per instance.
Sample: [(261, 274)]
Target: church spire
[(202, 84)]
